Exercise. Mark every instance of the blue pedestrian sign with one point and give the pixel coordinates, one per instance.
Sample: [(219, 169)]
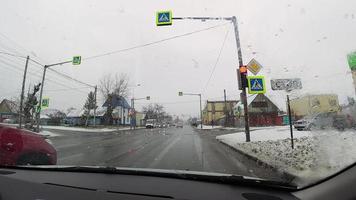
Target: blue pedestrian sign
[(163, 18), (256, 84)]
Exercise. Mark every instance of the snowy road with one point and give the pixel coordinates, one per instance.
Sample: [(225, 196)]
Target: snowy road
[(172, 148)]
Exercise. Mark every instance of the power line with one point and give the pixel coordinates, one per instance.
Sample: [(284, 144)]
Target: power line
[(152, 43), (217, 61), (10, 54), (69, 77)]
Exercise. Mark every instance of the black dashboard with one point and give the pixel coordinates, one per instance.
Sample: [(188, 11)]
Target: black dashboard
[(43, 184)]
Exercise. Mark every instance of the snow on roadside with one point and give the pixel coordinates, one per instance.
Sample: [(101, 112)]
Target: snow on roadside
[(84, 129), (316, 155), (208, 127), (48, 134)]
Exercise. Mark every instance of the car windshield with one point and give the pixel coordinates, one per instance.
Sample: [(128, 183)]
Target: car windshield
[(199, 86)]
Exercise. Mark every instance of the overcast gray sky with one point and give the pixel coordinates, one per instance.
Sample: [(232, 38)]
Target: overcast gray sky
[(290, 38)]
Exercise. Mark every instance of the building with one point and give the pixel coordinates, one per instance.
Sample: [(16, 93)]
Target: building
[(8, 110), (311, 104), (76, 117), (140, 119), (120, 110), (214, 111), (262, 112)]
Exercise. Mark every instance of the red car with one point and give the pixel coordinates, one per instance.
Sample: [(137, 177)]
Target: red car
[(23, 147)]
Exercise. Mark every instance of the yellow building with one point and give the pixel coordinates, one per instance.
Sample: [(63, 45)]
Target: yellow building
[(311, 104), (215, 110)]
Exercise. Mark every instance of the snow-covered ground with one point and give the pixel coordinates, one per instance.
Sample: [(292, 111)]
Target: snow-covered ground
[(48, 134), (80, 129), (316, 154), (208, 127)]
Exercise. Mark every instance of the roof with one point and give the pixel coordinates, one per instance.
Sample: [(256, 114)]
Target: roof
[(117, 101), (9, 106), (80, 112)]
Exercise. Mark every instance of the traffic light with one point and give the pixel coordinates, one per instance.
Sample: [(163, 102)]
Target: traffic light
[(180, 93), (243, 76), (148, 98)]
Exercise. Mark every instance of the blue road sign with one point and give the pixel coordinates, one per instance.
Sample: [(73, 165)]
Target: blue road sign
[(163, 18), (256, 84)]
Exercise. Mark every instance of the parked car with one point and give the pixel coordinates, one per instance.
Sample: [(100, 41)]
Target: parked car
[(319, 121), (23, 147), (9, 121)]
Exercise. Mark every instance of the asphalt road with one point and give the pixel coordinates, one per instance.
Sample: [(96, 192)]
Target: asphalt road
[(170, 148)]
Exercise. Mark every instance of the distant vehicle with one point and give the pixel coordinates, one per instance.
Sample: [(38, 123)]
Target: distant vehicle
[(317, 121), (151, 123), (23, 147), (9, 121), (179, 125)]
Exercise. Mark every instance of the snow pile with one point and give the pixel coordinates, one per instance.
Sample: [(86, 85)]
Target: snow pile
[(209, 127), (48, 134), (84, 129), (316, 155)]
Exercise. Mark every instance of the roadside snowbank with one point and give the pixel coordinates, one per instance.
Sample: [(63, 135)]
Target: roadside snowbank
[(84, 129), (316, 154), (48, 134)]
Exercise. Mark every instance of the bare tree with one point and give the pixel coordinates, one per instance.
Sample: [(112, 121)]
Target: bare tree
[(114, 84), (110, 86)]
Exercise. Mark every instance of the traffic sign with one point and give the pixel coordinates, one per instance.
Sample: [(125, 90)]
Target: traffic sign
[(286, 84), (163, 18), (254, 67), (45, 103), (256, 84), (351, 59), (76, 60), (148, 98)]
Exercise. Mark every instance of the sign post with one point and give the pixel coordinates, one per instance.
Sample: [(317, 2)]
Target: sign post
[(287, 85)]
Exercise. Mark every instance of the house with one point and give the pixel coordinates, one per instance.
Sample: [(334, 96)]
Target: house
[(311, 104), (120, 110), (8, 110), (76, 117), (214, 111), (140, 119), (262, 112)]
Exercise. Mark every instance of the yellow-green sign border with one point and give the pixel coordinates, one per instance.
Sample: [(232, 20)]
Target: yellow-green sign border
[(164, 23), (249, 84)]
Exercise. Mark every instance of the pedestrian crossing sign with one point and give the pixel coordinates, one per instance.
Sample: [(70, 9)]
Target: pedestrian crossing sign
[(163, 18), (45, 103), (256, 84)]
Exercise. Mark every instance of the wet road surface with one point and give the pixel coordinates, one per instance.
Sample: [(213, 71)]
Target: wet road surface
[(169, 148)]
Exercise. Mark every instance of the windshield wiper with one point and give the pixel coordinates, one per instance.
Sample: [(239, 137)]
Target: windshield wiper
[(180, 174)]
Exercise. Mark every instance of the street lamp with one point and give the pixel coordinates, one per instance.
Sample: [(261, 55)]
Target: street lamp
[(193, 94), (133, 115)]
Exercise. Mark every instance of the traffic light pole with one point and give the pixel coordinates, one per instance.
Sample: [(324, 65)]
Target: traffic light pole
[(239, 55), (38, 117), (22, 93), (201, 115)]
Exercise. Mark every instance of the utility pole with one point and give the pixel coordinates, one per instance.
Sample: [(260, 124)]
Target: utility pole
[(243, 95), (40, 100), (201, 117), (95, 93), (22, 92), (225, 109)]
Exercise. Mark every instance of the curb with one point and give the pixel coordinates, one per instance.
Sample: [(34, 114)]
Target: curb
[(285, 175)]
